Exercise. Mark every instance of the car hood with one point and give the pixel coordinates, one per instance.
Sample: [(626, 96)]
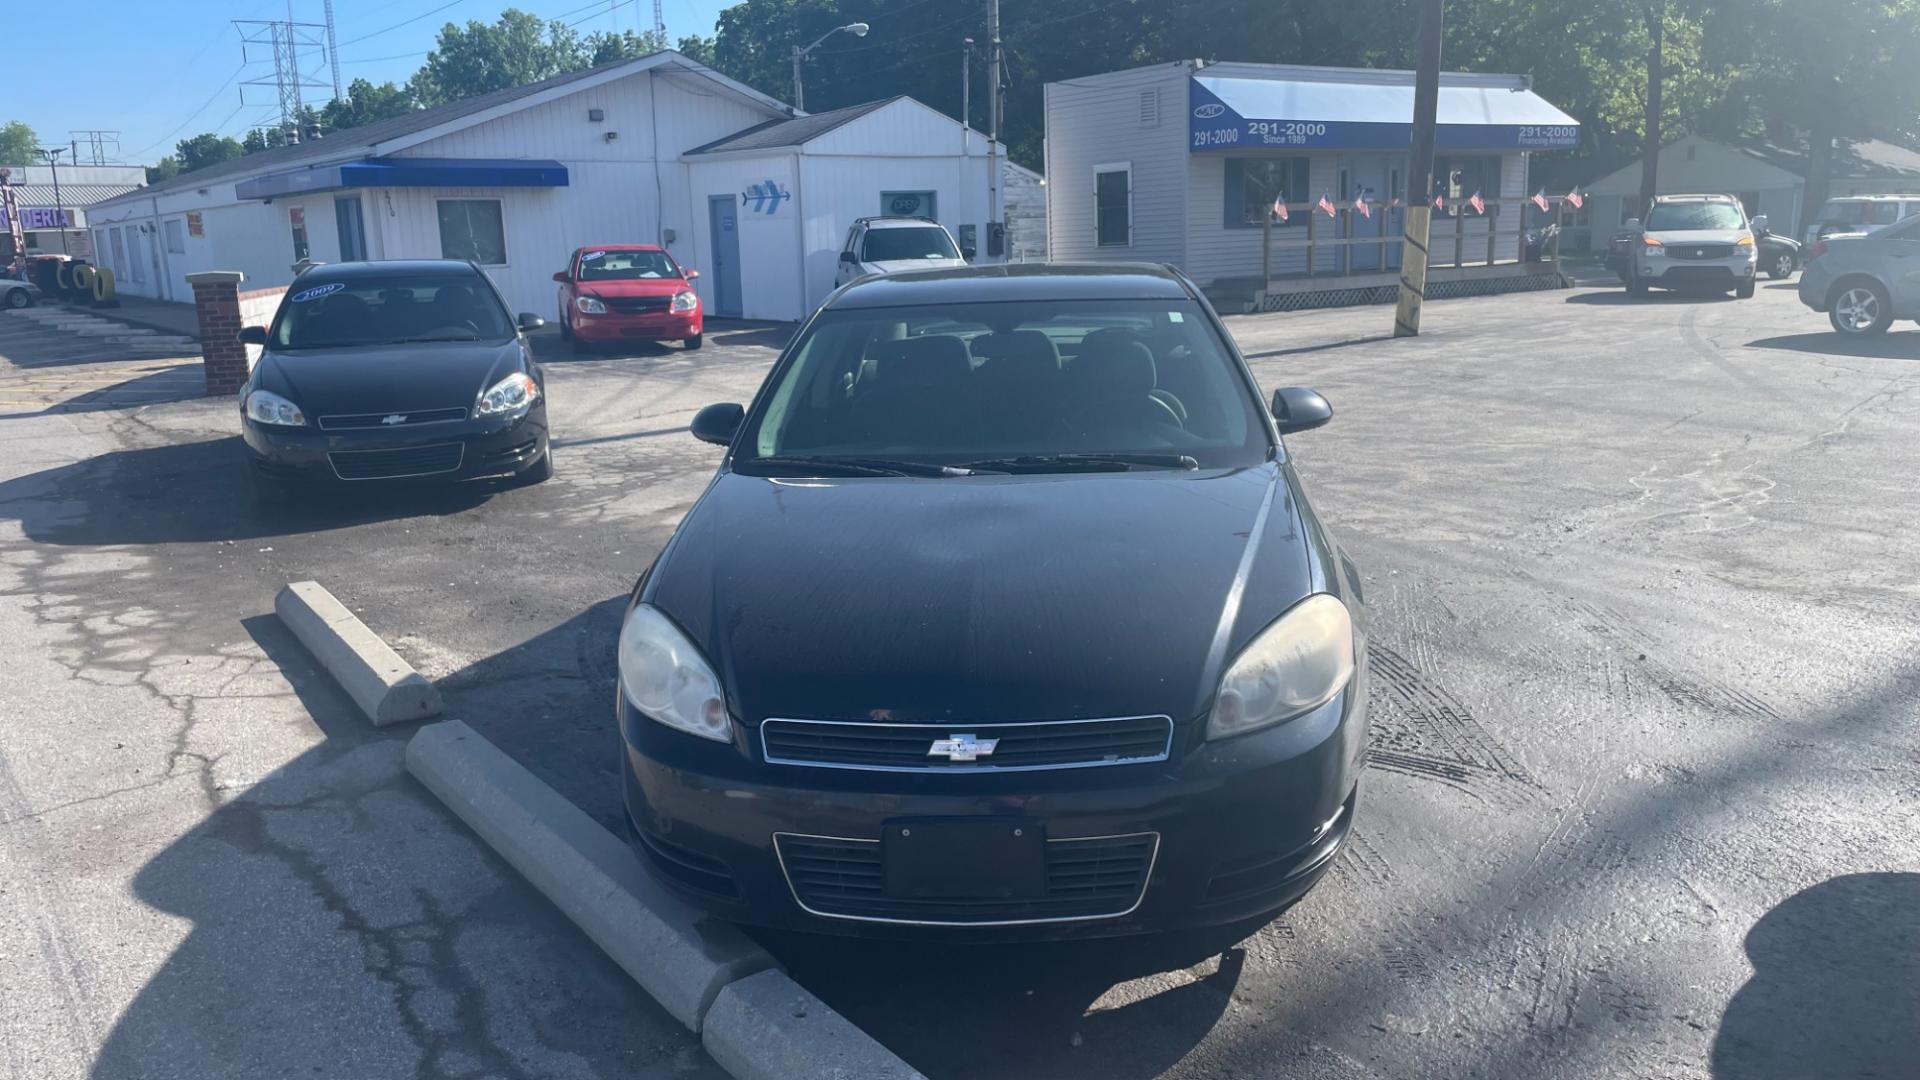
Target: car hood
[(373, 379), (636, 287), (1683, 237), (894, 266), (982, 598)]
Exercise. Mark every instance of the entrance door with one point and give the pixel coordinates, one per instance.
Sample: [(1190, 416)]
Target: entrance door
[(353, 233), (723, 223), (1370, 176)]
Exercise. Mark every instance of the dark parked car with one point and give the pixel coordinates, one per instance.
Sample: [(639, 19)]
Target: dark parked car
[(1006, 614), (1865, 282), (387, 371), (1779, 255)]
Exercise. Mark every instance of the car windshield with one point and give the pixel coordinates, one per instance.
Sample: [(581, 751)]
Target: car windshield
[(626, 266), (320, 314), (980, 385), (891, 245), (1691, 217)]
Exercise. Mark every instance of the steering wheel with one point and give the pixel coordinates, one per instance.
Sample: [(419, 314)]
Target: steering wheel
[(1164, 413)]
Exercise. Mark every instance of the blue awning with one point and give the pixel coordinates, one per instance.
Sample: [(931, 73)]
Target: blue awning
[(407, 172), (1228, 113)]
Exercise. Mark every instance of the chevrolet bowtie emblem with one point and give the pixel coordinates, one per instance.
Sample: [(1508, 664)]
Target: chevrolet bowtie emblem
[(962, 747), (396, 418)]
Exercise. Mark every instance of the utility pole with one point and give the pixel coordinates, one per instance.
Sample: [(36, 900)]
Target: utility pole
[(59, 212), (1656, 75), (995, 216), (1426, 112)]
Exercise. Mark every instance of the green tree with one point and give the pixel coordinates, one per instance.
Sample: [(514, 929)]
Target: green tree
[(607, 47), (205, 149), (696, 48), (167, 169), (481, 58), (365, 103), (18, 144)]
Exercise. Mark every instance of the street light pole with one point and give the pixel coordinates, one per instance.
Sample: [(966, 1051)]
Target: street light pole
[(858, 29), (59, 214)]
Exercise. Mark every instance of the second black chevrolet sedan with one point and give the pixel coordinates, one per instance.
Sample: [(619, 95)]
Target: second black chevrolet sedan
[(1004, 615), (383, 372)]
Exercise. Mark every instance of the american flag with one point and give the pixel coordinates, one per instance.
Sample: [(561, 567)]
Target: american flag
[(1479, 204), (1575, 199), (1540, 200), (1280, 206), (1395, 204), (1326, 206), (1440, 202), (1360, 204)]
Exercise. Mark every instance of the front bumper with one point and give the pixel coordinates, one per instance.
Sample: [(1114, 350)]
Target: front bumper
[(652, 326), (1670, 272), (1816, 286), (1238, 829), (428, 453)]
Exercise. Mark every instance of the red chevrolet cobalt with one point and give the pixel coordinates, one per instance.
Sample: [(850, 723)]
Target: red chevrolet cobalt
[(627, 292)]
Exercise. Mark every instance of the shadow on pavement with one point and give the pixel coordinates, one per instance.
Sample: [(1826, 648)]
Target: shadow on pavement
[(180, 383), (1622, 298), (196, 492), (1836, 985), (1888, 347)]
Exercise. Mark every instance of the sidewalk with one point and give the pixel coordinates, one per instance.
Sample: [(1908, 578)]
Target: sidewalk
[(162, 315)]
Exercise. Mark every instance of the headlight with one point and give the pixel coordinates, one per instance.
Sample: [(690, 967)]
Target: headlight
[(511, 396), (685, 300), (267, 407), (664, 676), (589, 305), (1653, 249), (1294, 666)]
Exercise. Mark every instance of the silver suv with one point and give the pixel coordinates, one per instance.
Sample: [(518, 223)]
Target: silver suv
[(885, 245), (1694, 241), (1865, 282)]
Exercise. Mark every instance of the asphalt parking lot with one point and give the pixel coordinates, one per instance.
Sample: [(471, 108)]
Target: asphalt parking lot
[(1644, 798)]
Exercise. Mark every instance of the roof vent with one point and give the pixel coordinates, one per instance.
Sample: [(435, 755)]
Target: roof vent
[(1150, 107)]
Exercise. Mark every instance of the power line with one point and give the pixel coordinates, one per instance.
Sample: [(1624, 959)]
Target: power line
[(191, 117), (404, 22), (379, 59)]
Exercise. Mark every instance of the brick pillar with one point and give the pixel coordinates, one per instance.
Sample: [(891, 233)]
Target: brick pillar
[(216, 300)]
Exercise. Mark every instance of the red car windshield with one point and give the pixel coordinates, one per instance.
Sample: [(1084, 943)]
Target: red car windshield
[(626, 266)]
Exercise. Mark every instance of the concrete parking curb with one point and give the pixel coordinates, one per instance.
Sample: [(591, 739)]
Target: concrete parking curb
[(768, 1027), (385, 687), (677, 954)]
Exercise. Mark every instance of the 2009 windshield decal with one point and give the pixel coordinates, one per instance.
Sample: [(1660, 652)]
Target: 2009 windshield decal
[(317, 292)]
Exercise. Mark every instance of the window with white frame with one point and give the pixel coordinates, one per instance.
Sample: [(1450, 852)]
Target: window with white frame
[(1113, 204), (176, 234), (472, 230)]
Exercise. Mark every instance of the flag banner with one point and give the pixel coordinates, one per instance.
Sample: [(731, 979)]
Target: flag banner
[(1540, 200), (1479, 204), (1326, 206), (1280, 206), (1575, 199), (1360, 205), (1440, 202)]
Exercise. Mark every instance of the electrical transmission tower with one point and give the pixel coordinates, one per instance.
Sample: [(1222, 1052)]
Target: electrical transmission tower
[(333, 54), (285, 39), (659, 23), (102, 147)]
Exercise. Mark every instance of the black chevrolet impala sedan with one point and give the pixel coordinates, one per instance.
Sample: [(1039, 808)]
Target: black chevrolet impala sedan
[(1004, 615), (383, 372)]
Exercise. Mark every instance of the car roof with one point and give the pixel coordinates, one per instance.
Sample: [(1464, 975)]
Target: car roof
[(1010, 282), (618, 247), (897, 222), (1875, 198), (348, 271), (1694, 198)]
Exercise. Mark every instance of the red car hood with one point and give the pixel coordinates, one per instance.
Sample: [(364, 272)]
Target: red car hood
[(632, 287)]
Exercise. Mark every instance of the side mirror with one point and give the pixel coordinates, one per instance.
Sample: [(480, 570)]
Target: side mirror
[(1760, 225), (718, 424), (691, 275), (563, 277), (1633, 224), (1297, 408), (847, 256), (529, 321), (251, 335)]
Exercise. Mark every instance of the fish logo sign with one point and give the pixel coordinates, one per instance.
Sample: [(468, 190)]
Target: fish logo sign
[(764, 197)]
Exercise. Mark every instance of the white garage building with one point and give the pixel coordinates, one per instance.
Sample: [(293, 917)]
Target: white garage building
[(659, 149)]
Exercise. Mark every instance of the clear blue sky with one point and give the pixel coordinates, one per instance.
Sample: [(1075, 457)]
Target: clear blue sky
[(145, 70)]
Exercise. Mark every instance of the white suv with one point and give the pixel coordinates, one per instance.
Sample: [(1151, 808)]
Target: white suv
[(1694, 241), (884, 245)]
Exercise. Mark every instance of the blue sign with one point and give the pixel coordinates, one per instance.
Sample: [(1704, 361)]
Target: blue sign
[(1215, 126), (317, 292), (764, 197), (40, 217)]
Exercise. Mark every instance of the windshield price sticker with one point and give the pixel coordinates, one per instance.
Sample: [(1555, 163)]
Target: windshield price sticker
[(317, 292)]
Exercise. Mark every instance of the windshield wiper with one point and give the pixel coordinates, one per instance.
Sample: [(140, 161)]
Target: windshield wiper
[(1094, 462), (859, 466)]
